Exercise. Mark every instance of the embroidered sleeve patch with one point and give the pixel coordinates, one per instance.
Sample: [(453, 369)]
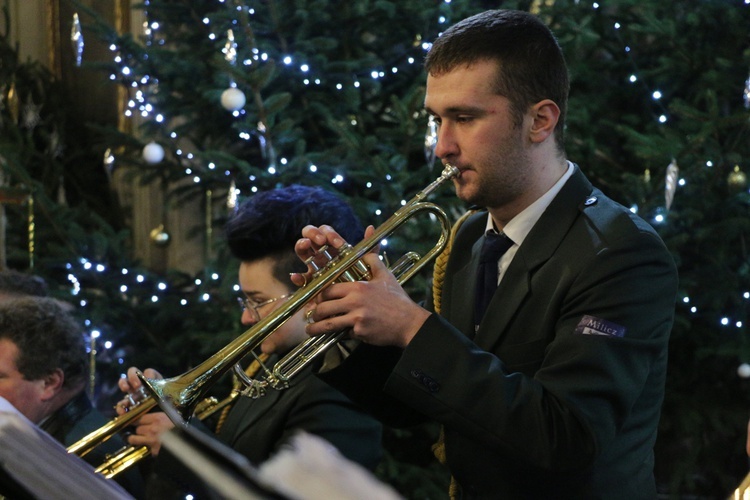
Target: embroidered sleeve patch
[(591, 325)]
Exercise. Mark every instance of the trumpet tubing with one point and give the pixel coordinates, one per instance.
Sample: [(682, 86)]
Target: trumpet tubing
[(129, 455), (182, 393), (103, 433), (299, 357), (121, 460)]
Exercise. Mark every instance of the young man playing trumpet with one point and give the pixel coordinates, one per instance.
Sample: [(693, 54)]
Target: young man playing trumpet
[(261, 234), (544, 358)]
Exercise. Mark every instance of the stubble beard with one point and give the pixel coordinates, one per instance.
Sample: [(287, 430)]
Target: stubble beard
[(502, 180)]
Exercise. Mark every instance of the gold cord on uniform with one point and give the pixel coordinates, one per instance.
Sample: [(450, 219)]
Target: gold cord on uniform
[(438, 277), (250, 371)]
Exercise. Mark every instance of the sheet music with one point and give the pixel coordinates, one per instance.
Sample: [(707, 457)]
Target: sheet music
[(43, 466)]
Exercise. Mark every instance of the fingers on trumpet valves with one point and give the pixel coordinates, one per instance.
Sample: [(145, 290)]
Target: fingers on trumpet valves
[(319, 259), (131, 399)]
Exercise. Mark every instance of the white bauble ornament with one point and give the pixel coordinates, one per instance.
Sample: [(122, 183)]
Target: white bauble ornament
[(153, 153), (159, 236), (233, 99), (743, 370)]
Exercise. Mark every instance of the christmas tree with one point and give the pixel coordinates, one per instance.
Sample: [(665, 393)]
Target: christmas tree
[(236, 96)]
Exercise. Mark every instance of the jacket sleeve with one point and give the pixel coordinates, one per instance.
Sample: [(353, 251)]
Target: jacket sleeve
[(560, 396)]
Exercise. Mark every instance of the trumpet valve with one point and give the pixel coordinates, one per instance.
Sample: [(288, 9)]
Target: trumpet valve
[(133, 398), (312, 261)]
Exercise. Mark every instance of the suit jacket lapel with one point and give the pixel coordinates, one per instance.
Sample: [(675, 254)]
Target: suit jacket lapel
[(536, 249), (461, 292)]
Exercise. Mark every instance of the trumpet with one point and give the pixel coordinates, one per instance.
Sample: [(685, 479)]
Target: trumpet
[(129, 455), (181, 394)]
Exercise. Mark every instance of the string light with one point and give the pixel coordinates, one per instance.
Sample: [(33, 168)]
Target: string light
[(141, 103)]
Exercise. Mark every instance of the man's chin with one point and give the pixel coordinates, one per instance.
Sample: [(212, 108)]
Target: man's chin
[(465, 193)]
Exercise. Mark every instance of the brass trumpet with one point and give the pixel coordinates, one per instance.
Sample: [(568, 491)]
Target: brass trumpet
[(182, 393), (129, 455)]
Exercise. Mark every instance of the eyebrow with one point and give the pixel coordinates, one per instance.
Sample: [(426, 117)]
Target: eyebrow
[(251, 294), (456, 110)]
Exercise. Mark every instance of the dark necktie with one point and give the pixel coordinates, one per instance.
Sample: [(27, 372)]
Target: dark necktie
[(494, 246)]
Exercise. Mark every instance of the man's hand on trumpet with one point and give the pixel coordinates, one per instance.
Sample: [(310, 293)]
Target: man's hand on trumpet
[(148, 428), (377, 311)]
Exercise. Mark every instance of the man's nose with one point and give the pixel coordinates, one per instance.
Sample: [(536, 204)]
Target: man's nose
[(247, 318), (446, 142)]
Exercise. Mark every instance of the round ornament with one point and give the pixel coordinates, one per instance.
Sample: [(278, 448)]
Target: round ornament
[(744, 370), (153, 153), (737, 179), (233, 99), (159, 236)]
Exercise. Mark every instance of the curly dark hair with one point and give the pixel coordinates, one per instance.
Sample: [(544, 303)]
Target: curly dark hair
[(47, 337), (531, 62), (14, 282), (270, 223)]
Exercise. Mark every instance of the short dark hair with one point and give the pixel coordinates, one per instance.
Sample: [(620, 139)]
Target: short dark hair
[(532, 65), (14, 282), (269, 224), (47, 337)]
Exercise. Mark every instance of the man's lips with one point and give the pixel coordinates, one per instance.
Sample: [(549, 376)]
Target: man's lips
[(461, 171)]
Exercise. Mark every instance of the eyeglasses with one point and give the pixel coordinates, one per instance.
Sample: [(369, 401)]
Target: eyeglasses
[(253, 307)]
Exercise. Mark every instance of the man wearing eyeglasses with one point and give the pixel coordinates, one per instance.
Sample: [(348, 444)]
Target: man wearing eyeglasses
[(261, 235)]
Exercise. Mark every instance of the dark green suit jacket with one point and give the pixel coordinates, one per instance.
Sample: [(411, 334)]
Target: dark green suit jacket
[(559, 393), (256, 428)]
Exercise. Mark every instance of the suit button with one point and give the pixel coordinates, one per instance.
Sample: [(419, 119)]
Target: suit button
[(590, 201), (431, 385)]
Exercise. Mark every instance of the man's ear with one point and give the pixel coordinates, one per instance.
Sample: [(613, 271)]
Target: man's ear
[(544, 116), (52, 384)]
